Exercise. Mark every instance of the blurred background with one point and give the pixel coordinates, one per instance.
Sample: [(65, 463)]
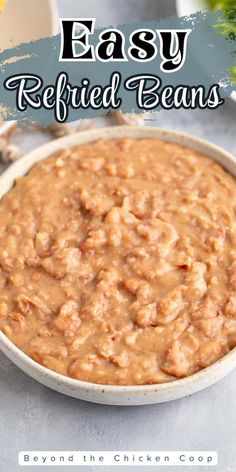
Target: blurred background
[(109, 12)]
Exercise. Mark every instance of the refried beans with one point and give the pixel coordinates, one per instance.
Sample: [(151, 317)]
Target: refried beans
[(118, 262)]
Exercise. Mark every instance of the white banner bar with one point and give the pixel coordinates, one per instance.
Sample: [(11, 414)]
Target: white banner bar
[(117, 458)]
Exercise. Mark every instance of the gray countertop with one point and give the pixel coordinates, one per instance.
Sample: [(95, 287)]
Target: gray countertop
[(33, 417)]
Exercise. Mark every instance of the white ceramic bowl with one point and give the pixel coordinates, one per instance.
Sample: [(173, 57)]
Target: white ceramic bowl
[(185, 8), (117, 395)]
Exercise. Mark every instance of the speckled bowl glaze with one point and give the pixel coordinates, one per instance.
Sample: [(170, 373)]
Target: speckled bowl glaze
[(106, 394)]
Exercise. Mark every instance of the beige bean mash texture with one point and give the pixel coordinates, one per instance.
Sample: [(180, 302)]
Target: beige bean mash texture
[(118, 262)]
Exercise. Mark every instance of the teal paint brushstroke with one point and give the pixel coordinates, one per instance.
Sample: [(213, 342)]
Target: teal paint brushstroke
[(208, 60)]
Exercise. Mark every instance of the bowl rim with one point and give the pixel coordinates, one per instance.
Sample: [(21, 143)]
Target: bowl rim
[(26, 363)]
